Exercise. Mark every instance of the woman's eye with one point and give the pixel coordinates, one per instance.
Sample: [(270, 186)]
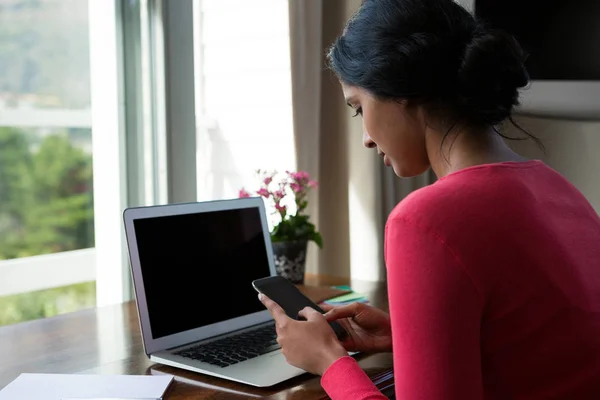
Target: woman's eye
[(358, 112)]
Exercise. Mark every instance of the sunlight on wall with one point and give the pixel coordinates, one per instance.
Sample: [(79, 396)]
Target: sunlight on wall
[(244, 94)]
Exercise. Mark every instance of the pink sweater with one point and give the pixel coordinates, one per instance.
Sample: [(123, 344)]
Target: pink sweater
[(493, 277)]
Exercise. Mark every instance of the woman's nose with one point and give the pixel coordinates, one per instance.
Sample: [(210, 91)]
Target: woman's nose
[(367, 142)]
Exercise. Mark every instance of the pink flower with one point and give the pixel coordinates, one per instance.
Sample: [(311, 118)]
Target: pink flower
[(295, 184), (300, 176), (263, 192)]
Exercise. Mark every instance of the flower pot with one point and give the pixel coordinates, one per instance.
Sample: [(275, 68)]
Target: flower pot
[(290, 259)]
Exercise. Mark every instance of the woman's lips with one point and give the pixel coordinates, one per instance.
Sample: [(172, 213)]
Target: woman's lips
[(386, 161)]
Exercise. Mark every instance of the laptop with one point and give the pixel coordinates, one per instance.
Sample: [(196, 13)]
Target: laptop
[(193, 265)]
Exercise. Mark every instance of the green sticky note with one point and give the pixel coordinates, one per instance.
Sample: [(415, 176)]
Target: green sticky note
[(347, 297), (343, 287)]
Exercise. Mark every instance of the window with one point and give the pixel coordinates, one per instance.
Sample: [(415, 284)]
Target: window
[(64, 181), (243, 94), (46, 183)]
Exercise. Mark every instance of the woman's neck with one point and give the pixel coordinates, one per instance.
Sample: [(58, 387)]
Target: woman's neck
[(462, 149)]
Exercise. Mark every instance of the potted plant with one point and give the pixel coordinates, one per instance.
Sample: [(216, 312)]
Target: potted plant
[(292, 230)]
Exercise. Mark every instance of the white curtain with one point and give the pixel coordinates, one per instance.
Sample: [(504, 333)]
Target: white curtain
[(306, 21)]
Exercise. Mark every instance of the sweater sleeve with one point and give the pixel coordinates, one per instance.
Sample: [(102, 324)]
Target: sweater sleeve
[(344, 380), (435, 310)]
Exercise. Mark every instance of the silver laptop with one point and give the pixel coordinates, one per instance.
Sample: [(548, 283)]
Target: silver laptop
[(192, 267)]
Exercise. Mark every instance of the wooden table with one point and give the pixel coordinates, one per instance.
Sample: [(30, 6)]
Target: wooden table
[(107, 340)]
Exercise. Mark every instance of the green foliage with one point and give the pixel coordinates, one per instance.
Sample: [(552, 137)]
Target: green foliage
[(46, 303), (15, 190), (46, 206), (64, 214), (296, 227), (15, 163), (46, 200)]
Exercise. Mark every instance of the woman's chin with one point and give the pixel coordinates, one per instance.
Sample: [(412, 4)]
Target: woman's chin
[(402, 174), (402, 171)]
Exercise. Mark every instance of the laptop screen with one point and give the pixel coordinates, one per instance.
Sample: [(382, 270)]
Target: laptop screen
[(198, 268)]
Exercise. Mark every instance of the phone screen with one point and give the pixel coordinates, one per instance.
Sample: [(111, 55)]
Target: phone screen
[(291, 299)]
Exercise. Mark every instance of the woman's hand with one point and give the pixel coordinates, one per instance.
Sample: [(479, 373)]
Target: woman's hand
[(310, 345), (369, 328)]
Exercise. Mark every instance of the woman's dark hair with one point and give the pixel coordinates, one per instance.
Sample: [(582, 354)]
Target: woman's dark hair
[(433, 53)]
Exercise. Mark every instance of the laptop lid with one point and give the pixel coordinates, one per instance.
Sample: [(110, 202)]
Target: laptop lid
[(193, 265)]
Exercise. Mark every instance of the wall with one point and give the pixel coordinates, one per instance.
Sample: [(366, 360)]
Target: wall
[(571, 148)]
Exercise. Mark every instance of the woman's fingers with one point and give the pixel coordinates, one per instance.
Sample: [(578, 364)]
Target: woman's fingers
[(348, 311)]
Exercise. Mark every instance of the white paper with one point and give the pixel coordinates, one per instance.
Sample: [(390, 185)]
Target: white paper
[(63, 386)]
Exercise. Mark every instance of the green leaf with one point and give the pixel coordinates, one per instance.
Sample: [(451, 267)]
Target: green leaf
[(296, 227), (317, 238)]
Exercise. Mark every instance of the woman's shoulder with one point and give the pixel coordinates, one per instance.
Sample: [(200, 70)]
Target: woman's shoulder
[(482, 191)]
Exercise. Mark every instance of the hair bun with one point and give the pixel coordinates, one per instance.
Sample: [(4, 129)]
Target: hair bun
[(491, 72)]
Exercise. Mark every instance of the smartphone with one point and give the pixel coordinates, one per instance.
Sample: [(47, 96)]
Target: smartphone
[(291, 299)]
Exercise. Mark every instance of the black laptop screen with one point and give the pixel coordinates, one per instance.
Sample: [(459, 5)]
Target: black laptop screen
[(198, 269)]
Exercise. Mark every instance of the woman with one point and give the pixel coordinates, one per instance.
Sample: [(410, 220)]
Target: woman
[(494, 270)]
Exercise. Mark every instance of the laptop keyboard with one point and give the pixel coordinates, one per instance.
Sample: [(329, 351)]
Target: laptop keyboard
[(234, 349)]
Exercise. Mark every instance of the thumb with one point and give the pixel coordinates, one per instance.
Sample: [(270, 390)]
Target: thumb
[(348, 311), (310, 313)]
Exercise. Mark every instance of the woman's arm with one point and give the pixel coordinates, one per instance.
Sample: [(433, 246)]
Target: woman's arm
[(345, 380), (436, 312)]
